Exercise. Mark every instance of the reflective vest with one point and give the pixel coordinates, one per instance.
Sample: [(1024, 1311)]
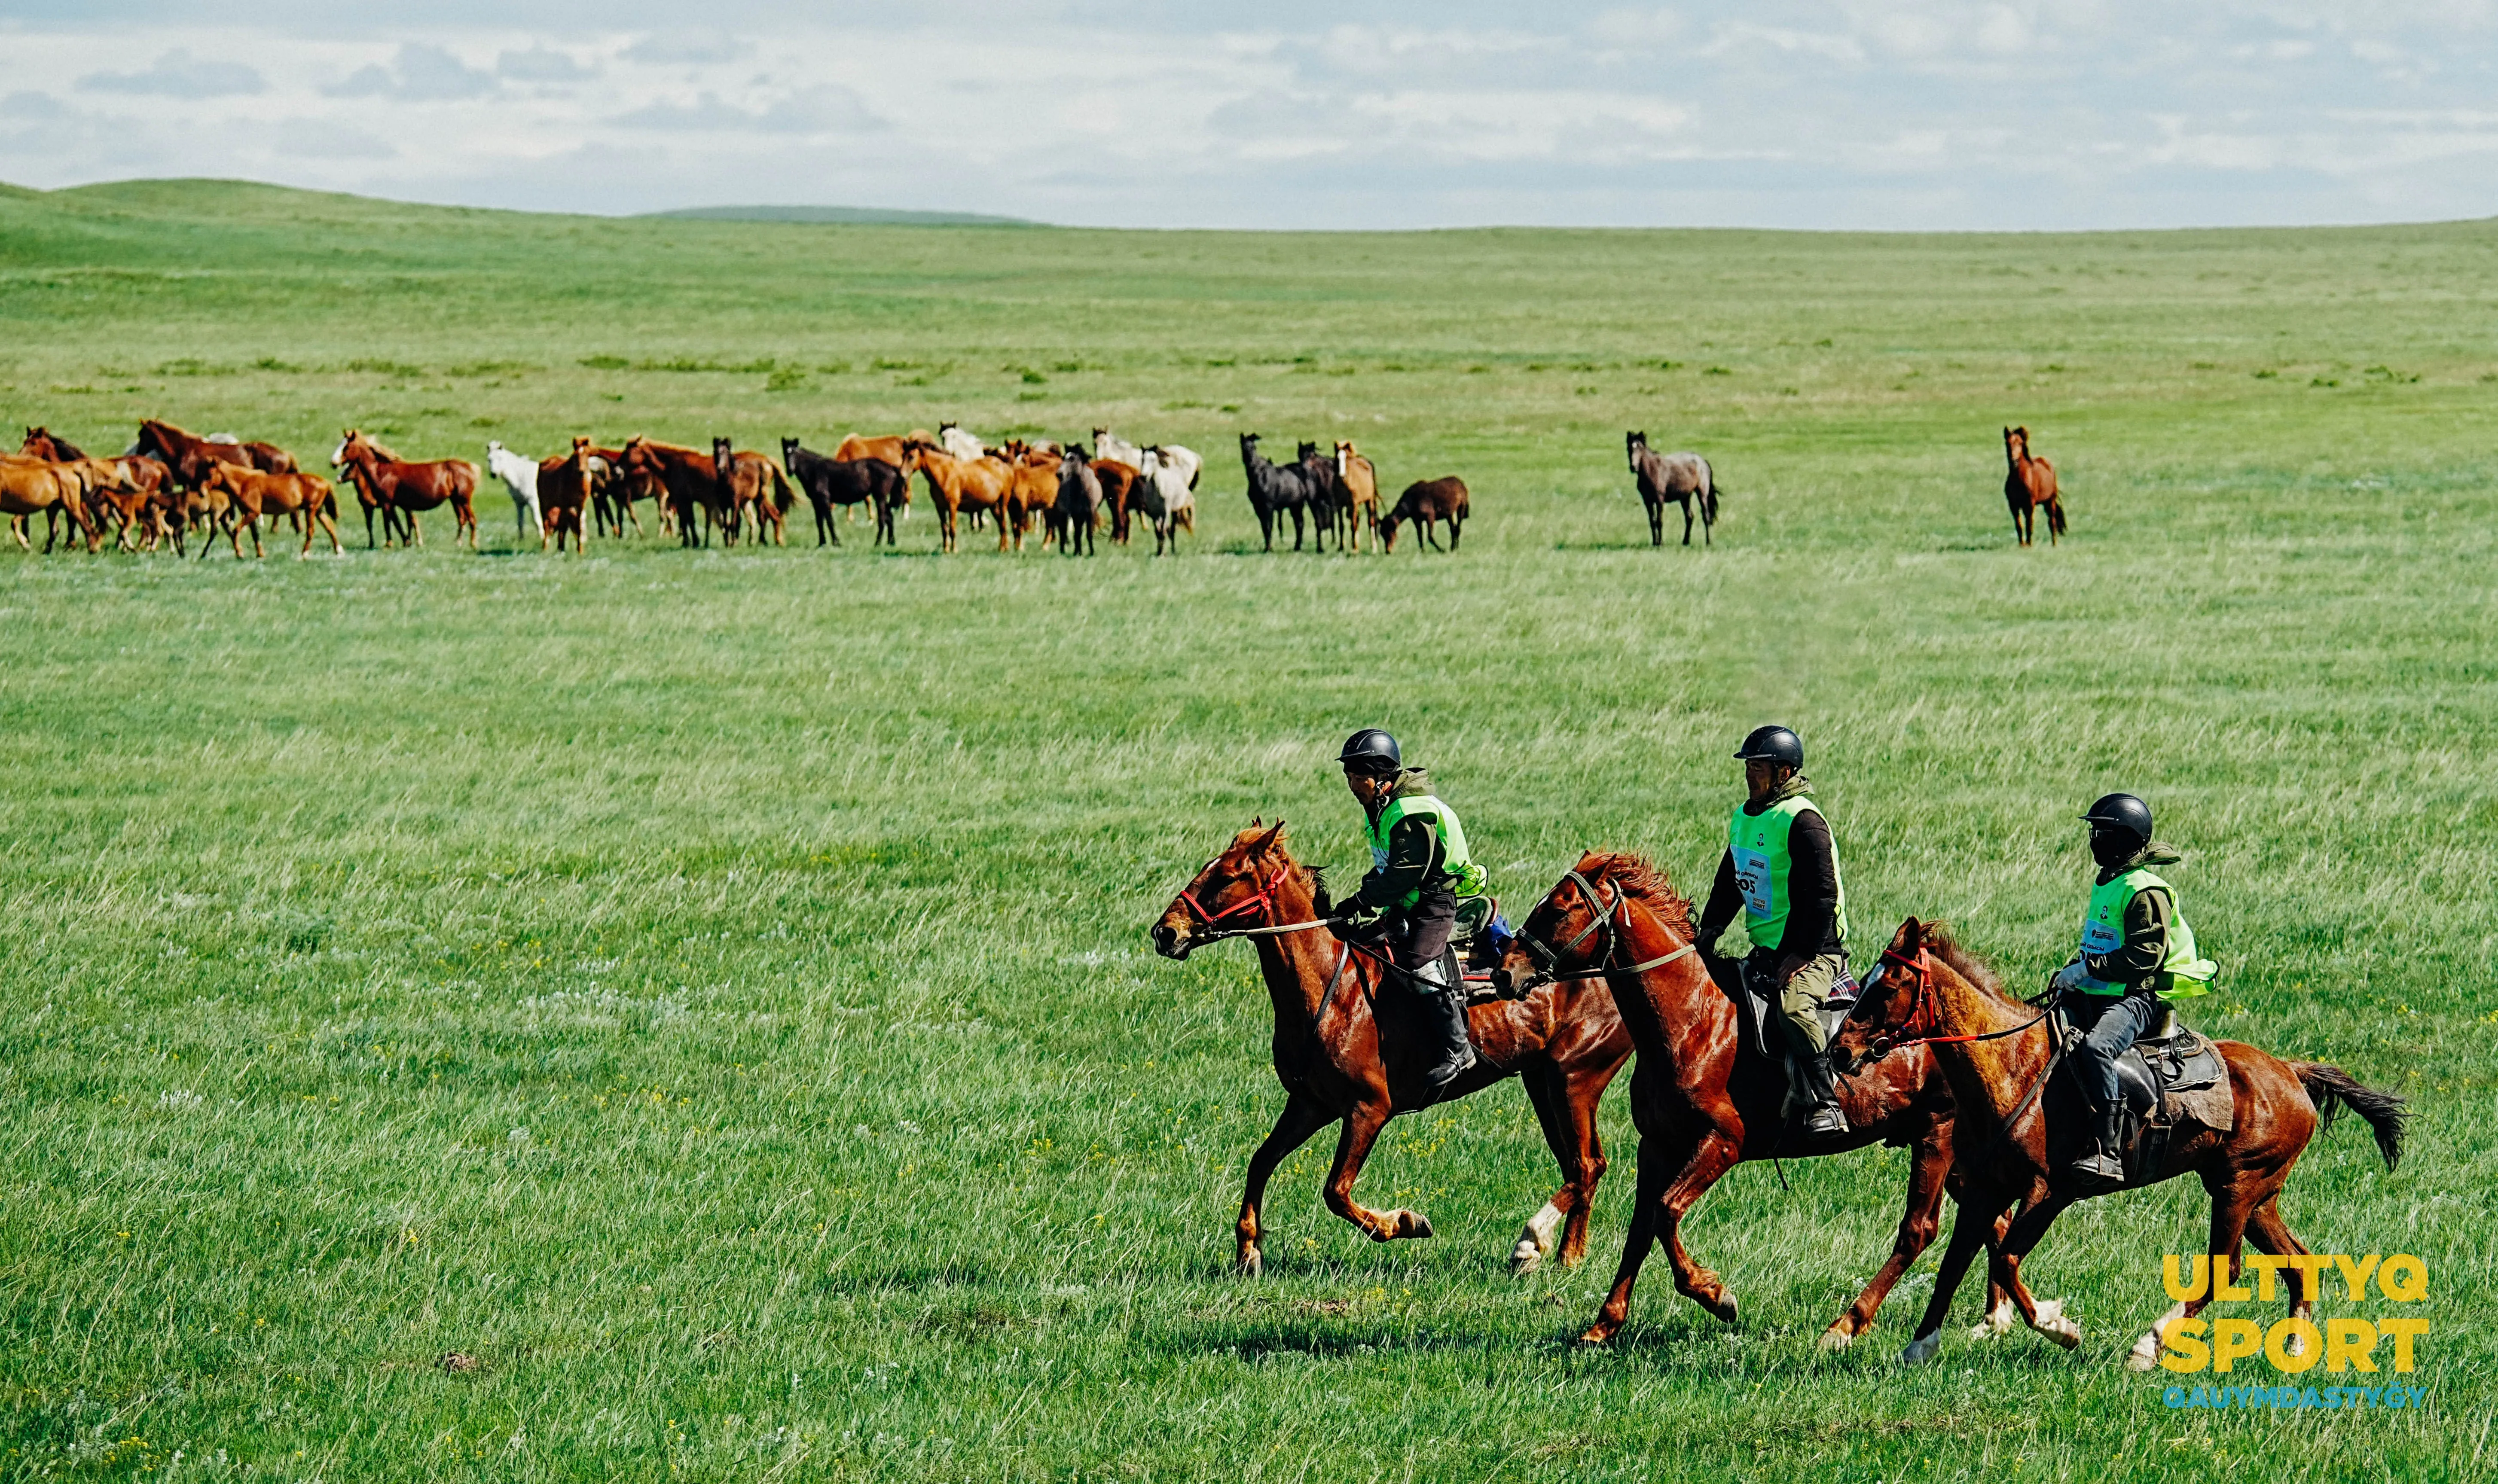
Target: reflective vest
[(2104, 932), (1453, 858), (1758, 843)]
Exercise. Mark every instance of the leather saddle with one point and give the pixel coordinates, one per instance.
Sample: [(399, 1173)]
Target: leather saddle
[(1757, 1008), (2170, 1076)]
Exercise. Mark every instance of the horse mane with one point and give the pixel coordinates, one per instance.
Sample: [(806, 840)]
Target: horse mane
[(1637, 878), (1941, 942)]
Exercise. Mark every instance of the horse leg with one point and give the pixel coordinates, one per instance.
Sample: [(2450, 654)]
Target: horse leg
[(1361, 1128), (1646, 1205), (1973, 1216), (1565, 1107), (2004, 1266), (1301, 1118), (1927, 1167), (2235, 1204), (258, 552), (1686, 521)]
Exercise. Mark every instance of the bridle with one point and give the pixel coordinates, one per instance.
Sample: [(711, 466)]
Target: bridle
[(1614, 900), (1921, 999), (1263, 902)]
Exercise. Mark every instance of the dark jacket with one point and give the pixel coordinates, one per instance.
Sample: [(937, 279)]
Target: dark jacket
[(1415, 852), (2137, 963), (1813, 883)]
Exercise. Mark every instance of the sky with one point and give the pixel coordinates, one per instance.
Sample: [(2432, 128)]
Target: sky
[(1890, 114)]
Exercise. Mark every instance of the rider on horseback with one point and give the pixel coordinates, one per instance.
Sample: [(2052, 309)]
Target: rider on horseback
[(1409, 900), (2136, 952), (1781, 870)]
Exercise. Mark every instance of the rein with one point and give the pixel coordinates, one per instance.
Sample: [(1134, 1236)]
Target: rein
[(1265, 899), (1883, 1045), (1614, 900)]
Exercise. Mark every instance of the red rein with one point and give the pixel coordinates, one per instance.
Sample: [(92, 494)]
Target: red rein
[(1264, 898)]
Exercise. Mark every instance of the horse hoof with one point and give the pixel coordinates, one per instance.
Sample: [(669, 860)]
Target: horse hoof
[(1998, 1322), (1413, 1224), (1723, 1308), (1922, 1350), (1250, 1265), (1836, 1338), (1596, 1337), (2064, 1332), (2144, 1355), (1524, 1258)]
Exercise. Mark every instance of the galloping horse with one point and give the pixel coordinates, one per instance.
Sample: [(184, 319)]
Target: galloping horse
[(1424, 501), (2021, 1128), (1674, 479), (386, 482), (1704, 1102), (2028, 484), (1356, 494), (189, 455), (1273, 490), (691, 482), (1564, 1041)]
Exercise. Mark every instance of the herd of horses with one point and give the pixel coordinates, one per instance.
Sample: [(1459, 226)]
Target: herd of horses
[(1937, 1058), (170, 485)]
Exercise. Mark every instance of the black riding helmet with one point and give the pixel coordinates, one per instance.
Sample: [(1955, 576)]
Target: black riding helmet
[(2120, 827), (1370, 750), (1772, 744)]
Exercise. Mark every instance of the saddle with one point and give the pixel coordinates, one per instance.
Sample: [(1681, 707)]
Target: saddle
[(2170, 1076), (1758, 1010)]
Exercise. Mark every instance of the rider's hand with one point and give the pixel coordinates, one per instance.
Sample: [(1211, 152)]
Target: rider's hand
[(2069, 978), (1789, 966)]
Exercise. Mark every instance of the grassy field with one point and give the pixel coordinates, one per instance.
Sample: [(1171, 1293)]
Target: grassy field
[(711, 990)]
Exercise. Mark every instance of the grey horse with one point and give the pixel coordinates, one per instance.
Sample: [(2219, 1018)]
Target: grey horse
[(1678, 479)]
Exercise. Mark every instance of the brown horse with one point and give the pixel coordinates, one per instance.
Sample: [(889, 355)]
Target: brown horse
[(1356, 494), (386, 482), (2021, 1128), (31, 485), (1424, 501), (893, 449), (190, 457), (1564, 1041), (956, 484), (239, 496), (1682, 479), (1032, 492), (754, 483), (691, 483), (611, 491), (567, 486), (2029, 484), (1703, 1100)]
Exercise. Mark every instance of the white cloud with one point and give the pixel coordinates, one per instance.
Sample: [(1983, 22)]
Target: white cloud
[(542, 63), (419, 73), (179, 75)]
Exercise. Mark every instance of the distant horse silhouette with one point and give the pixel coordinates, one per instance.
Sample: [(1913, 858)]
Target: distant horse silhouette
[(1674, 479), (1274, 490), (2028, 484)]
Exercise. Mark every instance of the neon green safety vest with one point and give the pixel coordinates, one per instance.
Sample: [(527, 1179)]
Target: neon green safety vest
[(2104, 932), (1452, 843), (1758, 845)]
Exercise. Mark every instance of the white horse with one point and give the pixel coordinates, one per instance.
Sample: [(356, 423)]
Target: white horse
[(962, 445), (1110, 445), (1174, 470), (520, 477)]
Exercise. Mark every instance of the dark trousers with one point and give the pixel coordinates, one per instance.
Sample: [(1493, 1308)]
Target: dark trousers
[(1419, 934), (2109, 1023)]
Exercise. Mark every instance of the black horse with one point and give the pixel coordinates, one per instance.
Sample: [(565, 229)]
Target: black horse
[(1274, 490), (1318, 470), (831, 482)]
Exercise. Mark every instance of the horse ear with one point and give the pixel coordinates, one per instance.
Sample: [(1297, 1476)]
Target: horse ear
[(1910, 939)]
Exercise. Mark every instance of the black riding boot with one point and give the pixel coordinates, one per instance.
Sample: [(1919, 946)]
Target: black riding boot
[(1823, 1118), (2104, 1164), (1443, 1018)]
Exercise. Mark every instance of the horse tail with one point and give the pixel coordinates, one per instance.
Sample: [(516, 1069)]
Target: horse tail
[(2331, 1089), (781, 497), (1710, 494), (2056, 517)]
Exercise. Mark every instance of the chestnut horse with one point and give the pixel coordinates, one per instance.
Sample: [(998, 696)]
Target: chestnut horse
[(1702, 1099), (1564, 1041), (2028, 484), (956, 484), (30, 485), (1356, 494), (239, 496), (189, 455), (1424, 501), (690, 481), (2022, 1127), (565, 487), (390, 484), (754, 483)]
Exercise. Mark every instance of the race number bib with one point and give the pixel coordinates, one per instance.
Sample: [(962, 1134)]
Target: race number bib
[(1752, 879), (2098, 939)]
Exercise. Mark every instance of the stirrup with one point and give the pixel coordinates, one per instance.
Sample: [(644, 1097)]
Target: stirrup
[(2099, 1168), (1825, 1120)]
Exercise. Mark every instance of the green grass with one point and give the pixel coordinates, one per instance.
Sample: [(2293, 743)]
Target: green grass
[(711, 990)]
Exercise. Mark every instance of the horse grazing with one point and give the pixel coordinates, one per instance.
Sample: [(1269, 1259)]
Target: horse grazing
[(1707, 1097), (1076, 515), (237, 497), (690, 483), (754, 483), (385, 481), (1424, 501), (1562, 1040), (2021, 1127), (1674, 479), (956, 484), (520, 476), (2028, 484), (1273, 490), (1356, 496)]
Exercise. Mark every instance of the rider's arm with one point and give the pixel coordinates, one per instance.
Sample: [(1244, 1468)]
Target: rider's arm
[(1812, 888), (1724, 902), (1411, 845), (2146, 941)]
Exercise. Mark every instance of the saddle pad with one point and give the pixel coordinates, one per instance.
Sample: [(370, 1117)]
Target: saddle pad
[(2193, 1081)]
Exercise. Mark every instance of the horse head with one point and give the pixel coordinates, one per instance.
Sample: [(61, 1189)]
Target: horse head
[(2016, 444), (1635, 444), (1237, 889), (723, 458)]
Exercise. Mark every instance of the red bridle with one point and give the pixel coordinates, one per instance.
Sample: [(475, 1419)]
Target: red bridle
[(1887, 1042), (1265, 897)]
